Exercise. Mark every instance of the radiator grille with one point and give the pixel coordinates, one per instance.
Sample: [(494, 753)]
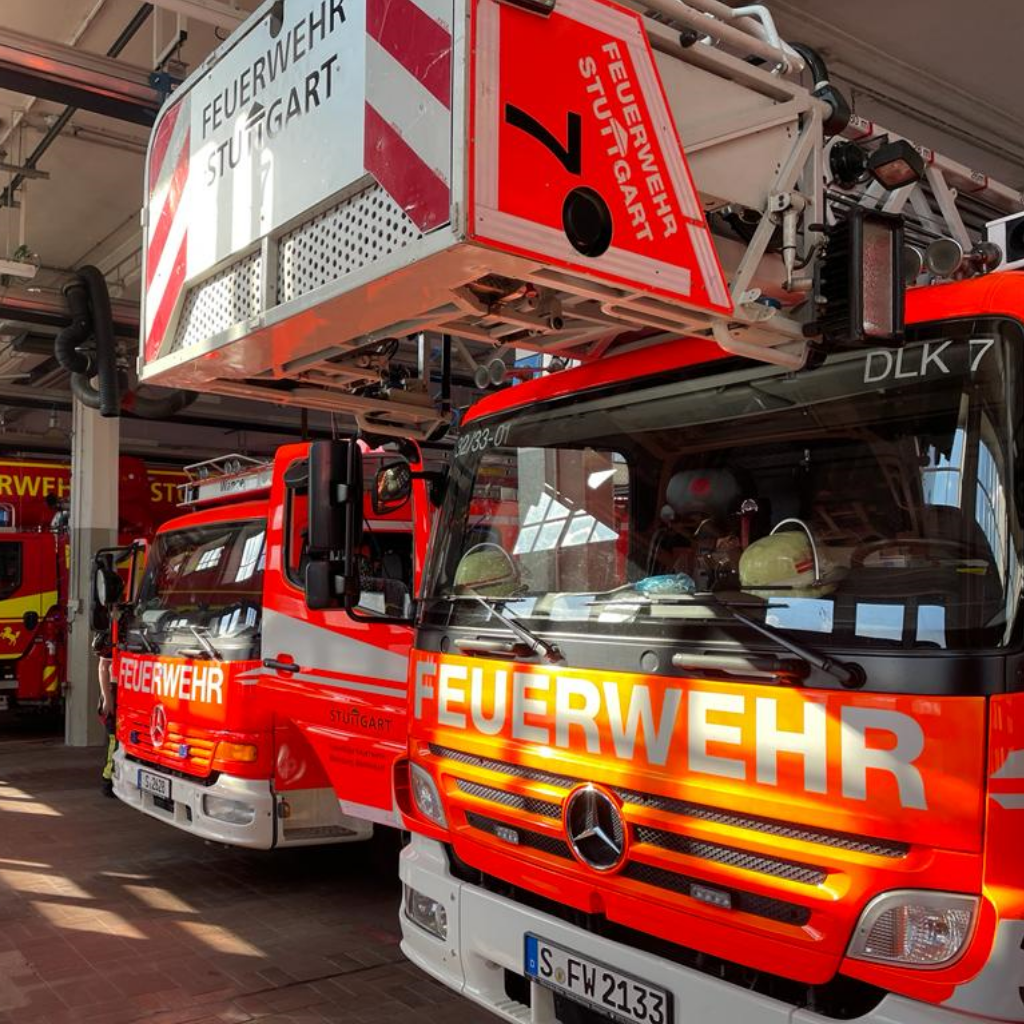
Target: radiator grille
[(527, 837), (768, 826), (530, 804), (750, 903), (790, 870), (182, 751)]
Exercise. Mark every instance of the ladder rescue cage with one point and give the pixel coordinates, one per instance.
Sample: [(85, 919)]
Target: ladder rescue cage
[(343, 179)]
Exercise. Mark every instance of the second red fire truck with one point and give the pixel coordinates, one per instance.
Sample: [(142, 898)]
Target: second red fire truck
[(243, 715)]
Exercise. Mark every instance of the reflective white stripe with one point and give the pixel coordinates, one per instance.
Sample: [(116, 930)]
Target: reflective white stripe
[(410, 108), (605, 19), (1010, 801), (631, 266), (488, 117), (158, 189), (1012, 767), (309, 644), (439, 10), (349, 684), (155, 292), (253, 678), (703, 247), (670, 146)]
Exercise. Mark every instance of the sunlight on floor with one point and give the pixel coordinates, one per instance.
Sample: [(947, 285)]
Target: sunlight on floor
[(87, 919), (220, 940), (24, 880), (160, 899), (20, 802)]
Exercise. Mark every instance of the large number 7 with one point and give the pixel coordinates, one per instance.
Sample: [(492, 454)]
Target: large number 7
[(570, 156)]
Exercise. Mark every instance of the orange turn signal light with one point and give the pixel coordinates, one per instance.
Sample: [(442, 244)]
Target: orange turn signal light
[(245, 752)]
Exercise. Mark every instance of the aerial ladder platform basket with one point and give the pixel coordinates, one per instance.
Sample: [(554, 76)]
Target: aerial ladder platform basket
[(344, 175)]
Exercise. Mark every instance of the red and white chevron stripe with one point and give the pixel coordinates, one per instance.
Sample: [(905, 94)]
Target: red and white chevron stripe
[(407, 136), (167, 241)]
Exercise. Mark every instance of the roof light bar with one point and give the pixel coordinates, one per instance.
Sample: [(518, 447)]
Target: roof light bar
[(224, 477)]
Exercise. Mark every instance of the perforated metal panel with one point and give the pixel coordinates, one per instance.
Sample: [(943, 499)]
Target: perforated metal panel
[(730, 856), (530, 804), (358, 231), (221, 301)]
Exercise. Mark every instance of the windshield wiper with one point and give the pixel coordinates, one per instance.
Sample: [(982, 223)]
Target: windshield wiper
[(147, 645), (204, 642), (848, 674), (496, 606)]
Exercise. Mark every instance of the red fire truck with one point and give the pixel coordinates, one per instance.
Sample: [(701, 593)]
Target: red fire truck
[(240, 709), (723, 721), (34, 566)]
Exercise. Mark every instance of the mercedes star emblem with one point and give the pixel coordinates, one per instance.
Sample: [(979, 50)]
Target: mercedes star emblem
[(158, 726), (594, 825)]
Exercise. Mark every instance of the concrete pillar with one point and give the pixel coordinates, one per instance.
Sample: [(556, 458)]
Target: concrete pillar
[(94, 479)]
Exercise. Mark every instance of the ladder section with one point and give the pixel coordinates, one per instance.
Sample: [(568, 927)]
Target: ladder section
[(671, 172)]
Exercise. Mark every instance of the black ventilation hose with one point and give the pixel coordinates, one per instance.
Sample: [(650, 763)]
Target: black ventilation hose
[(840, 114), (83, 390), (89, 303), (108, 386), (66, 344)]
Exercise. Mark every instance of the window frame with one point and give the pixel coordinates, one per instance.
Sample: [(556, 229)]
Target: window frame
[(19, 547)]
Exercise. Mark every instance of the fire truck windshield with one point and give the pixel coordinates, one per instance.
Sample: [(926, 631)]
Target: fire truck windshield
[(201, 591), (870, 504), (10, 567)]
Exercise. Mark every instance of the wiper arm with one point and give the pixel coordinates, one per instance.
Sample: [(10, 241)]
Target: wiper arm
[(204, 642), (848, 675), (537, 645), (147, 642)]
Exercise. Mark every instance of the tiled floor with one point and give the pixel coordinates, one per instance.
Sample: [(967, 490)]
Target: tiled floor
[(110, 917)]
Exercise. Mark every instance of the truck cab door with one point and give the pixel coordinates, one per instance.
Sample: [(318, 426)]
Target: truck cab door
[(27, 593), (337, 685)]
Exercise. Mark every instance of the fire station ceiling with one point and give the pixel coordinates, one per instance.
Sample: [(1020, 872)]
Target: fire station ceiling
[(938, 72)]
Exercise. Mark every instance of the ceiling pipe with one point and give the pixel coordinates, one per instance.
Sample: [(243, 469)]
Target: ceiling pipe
[(130, 30), (20, 115), (213, 12)]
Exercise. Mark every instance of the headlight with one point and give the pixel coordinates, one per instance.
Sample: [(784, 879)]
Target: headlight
[(426, 796), (915, 928), (428, 913), (233, 812)]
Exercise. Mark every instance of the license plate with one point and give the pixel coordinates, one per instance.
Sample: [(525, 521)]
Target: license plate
[(155, 784), (619, 996)]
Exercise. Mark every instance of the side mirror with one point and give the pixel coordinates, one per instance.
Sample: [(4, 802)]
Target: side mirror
[(335, 496), (392, 488), (322, 585), (335, 523), (108, 586), (30, 620)]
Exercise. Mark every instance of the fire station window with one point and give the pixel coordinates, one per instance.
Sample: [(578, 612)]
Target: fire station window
[(10, 568)]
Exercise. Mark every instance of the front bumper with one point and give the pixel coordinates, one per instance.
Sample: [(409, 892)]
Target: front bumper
[(486, 938), (185, 810)]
